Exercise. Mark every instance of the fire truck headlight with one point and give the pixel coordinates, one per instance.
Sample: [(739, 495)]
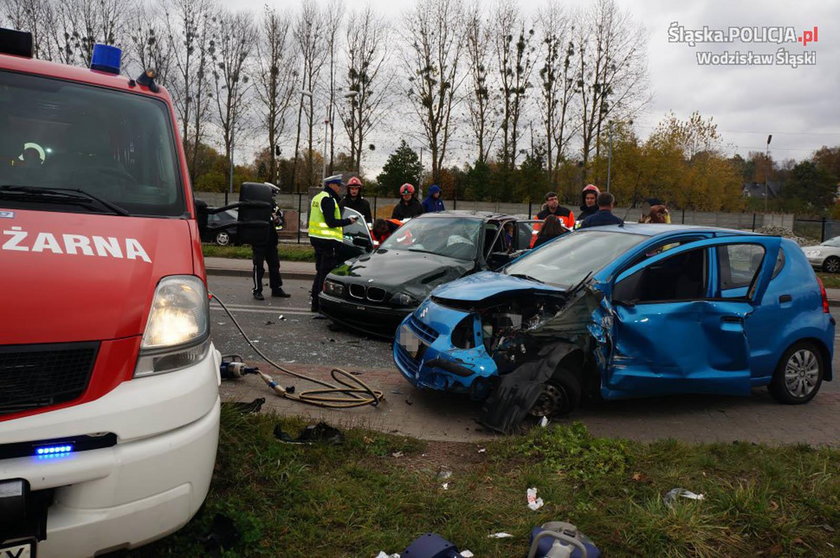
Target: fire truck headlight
[(178, 328)]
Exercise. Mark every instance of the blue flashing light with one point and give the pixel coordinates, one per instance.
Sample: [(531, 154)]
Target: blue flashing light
[(54, 451), (106, 58)]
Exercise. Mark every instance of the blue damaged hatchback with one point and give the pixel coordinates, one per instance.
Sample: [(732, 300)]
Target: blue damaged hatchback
[(620, 312)]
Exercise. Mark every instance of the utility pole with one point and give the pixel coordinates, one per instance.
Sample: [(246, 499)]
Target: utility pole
[(767, 174), (609, 156), (326, 137), (230, 180), (420, 178)]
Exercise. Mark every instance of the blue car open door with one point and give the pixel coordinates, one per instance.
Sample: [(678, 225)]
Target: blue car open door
[(669, 330)]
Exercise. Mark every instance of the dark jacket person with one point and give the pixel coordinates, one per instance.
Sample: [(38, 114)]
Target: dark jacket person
[(588, 201), (354, 200), (604, 215), (409, 206)]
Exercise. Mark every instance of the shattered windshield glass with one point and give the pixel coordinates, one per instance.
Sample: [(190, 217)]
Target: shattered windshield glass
[(568, 260), (454, 237)]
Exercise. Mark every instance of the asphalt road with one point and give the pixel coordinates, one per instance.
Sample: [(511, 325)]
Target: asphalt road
[(285, 330)]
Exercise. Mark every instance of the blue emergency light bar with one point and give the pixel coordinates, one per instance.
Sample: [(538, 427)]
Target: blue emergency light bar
[(106, 58), (54, 450)]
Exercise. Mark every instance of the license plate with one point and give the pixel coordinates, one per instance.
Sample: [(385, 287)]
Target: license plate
[(410, 342), (18, 550)]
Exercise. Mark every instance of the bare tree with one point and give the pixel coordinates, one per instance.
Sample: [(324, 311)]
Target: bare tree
[(275, 77), (83, 23), (310, 35), (557, 83), (612, 71), (234, 38), (479, 97), (37, 17), (188, 28), (436, 27), (334, 15), (149, 47), (366, 58), (514, 55)]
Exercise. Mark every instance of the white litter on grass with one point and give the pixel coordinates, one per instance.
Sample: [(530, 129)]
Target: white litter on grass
[(445, 486), (672, 495), (499, 535), (467, 554), (383, 555), (443, 474), (544, 422), (482, 450), (397, 454), (533, 502)]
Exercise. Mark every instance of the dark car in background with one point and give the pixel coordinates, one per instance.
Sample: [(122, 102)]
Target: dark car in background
[(374, 292), (221, 228)]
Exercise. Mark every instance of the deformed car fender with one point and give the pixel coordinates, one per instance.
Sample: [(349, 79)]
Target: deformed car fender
[(517, 392)]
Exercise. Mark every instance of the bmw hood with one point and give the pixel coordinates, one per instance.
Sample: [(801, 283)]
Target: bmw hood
[(396, 270), (488, 284), (71, 277)]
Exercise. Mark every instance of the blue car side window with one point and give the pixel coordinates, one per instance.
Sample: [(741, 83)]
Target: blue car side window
[(681, 277)]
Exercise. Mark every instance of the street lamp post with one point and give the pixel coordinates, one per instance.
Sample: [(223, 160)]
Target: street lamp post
[(767, 174)]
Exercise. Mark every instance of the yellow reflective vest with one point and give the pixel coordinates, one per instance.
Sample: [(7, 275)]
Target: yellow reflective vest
[(318, 225)]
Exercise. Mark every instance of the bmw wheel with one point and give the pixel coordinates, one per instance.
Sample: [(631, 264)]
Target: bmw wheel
[(559, 396), (832, 265), (222, 238), (798, 375)]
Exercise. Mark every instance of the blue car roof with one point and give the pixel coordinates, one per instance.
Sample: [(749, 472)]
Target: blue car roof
[(655, 229)]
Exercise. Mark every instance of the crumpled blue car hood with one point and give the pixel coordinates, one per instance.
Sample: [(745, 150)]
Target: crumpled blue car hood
[(486, 284)]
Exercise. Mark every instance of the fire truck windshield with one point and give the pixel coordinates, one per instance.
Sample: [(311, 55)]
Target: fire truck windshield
[(114, 145)]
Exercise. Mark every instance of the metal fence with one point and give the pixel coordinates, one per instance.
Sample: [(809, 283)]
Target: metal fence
[(381, 207), (816, 228)]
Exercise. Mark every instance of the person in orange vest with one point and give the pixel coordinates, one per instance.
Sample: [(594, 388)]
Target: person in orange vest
[(383, 228), (552, 207)]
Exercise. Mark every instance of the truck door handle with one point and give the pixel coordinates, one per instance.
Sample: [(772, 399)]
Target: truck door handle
[(785, 298), (732, 319)]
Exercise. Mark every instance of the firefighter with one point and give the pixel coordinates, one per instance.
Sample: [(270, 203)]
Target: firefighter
[(325, 232), (354, 200)]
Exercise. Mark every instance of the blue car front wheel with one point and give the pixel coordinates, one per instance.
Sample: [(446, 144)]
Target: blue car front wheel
[(560, 395)]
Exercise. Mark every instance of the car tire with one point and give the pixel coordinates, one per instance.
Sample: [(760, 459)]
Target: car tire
[(831, 265), (560, 395), (798, 375), (222, 238)]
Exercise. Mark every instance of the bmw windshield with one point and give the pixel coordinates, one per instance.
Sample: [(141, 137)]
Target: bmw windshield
[(71, 146), (568, 260), (453, 237)]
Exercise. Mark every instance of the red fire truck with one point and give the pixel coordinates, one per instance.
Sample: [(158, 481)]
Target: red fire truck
[(109, 404)]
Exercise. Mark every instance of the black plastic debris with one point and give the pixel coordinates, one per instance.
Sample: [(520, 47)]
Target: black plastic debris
[(431, 545), (245, 407), (223, 535), (321, 432)]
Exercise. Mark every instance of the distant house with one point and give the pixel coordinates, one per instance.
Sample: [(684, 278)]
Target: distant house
[(759, 190)]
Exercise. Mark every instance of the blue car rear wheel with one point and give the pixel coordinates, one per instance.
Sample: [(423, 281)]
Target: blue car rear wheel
[(798, 375)]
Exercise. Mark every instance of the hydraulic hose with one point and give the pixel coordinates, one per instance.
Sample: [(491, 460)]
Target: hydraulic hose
[(348, 391)]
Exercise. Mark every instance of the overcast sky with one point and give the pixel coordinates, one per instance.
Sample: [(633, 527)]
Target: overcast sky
[(798, 106)]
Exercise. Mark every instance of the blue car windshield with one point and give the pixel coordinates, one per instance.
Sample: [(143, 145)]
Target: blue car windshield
[(453, 237), (567, 260)]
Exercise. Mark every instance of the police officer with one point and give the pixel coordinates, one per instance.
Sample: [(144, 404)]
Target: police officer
[(325, 232), (266, 251)]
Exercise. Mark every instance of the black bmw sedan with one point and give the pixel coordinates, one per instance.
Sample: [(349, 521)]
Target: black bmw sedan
[(374, 292)]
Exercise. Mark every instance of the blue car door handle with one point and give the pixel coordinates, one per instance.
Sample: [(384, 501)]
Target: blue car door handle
[(785, 298), (732, 319)]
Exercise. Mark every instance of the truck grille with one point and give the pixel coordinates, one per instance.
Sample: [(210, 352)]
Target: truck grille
[(33, 376)]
